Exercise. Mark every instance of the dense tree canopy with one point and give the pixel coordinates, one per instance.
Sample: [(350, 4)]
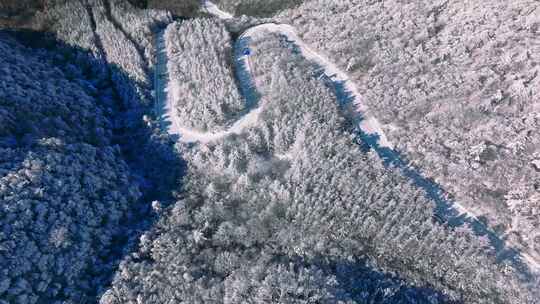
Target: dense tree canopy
[(64, 187)]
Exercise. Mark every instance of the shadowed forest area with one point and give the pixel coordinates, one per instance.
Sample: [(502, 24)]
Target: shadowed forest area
[(78, 171)]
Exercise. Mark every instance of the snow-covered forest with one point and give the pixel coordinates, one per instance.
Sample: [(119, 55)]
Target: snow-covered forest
[(64, 186), (201, 78), (99, 204), (77, 161), (455, 83), (296, 194)]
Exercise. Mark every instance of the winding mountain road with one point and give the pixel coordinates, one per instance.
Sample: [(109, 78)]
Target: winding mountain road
[(368, 125)]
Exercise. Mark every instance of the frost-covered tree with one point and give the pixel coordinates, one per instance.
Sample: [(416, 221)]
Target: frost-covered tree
[(291, 210), (76, 28), (78, 162), (122, 45), (115, 32)]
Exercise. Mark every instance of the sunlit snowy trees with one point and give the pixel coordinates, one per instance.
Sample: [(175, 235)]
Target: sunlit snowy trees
[(64, 27), (455, 83), (139, 25), (201, 77)]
